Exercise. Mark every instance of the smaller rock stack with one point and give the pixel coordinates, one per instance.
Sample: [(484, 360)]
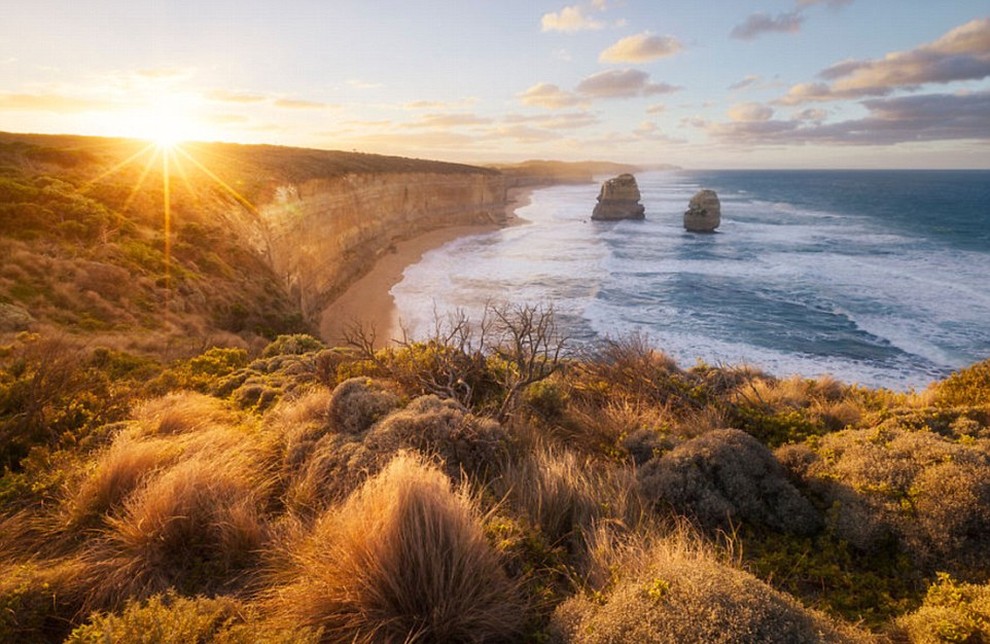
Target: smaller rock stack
[(619, 199), (704, 212)]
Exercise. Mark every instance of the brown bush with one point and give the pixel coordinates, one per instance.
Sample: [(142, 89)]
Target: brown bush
[(403, 560), (727, 476), (40, 600)]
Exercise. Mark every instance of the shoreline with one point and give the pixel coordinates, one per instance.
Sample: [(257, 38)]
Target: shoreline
[(368, 302)]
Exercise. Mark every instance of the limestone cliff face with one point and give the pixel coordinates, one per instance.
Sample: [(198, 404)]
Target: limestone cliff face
[(322, 234)]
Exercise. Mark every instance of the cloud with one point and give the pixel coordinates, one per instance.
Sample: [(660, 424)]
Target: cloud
[(621, 83), (926, 117), (758, 24), (569, 19), (833, 4), (749, 112), (748, 81), (549, 96), (295, 104), (450, 120), (52, 103), (568, 121), (656, 108), (641, 48), (522, 134), (961, 54), (360, 84), (225, 96), (811, 114)]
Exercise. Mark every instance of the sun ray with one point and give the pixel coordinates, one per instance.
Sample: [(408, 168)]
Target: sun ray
[(140, 181), (240, 198), (117, 168)]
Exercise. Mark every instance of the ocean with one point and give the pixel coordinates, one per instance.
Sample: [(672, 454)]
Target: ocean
[(881, 278)]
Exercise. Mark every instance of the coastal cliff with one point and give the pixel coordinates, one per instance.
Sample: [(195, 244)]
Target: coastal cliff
[(322, 234)]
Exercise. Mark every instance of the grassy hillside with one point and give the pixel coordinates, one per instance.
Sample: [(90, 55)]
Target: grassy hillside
[(91, 249), (484, 485)]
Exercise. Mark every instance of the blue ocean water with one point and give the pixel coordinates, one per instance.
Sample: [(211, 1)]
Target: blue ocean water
[(875, 277)]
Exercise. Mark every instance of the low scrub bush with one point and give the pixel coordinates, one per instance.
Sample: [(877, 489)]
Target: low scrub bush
[(445, 428), (172, 619), (356, 404), (39, 600), (672, 591), (727, 476), (952, 612), (404, 559), (932, 493)]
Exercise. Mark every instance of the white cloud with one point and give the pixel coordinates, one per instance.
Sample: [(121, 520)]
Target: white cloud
[(569, 19), (549, 96), (749, 112), (962, 53), (621, 83), (641, 48)]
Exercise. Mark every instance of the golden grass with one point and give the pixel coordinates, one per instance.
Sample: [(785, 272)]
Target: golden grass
[(197, 527), (403, 560), (567, 495)]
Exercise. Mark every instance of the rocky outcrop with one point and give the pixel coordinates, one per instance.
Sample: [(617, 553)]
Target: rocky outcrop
[(619, 199), (704, 213), (323, 234)]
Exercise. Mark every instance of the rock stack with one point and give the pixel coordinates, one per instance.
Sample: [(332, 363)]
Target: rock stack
[(704, 212), (619, 199)]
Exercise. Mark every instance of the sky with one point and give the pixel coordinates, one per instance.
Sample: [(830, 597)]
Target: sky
[(713, 84)]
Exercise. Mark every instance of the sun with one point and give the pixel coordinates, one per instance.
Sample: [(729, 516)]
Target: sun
[(167, 128)]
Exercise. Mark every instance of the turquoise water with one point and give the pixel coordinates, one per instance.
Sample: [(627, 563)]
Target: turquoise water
[(876, 277)]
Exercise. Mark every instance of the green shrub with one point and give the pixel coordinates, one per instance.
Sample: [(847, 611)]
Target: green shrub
[(172, 619), (356, 404), (296, 344), (39, 601), (952, 612), (970, 386)]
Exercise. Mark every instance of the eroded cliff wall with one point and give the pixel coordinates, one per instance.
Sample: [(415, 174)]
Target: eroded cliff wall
[(322, 234)]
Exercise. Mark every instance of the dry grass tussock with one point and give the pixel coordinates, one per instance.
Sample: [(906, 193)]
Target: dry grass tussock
[(181, 413), (825, 400), (677, 589), (404, 559), (567, 495), (196, 527)]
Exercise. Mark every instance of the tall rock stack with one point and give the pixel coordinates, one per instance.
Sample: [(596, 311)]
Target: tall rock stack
[(619, 199), (704, 212)]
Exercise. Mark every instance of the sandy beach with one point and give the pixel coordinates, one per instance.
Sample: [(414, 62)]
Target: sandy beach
[(368, 303)]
